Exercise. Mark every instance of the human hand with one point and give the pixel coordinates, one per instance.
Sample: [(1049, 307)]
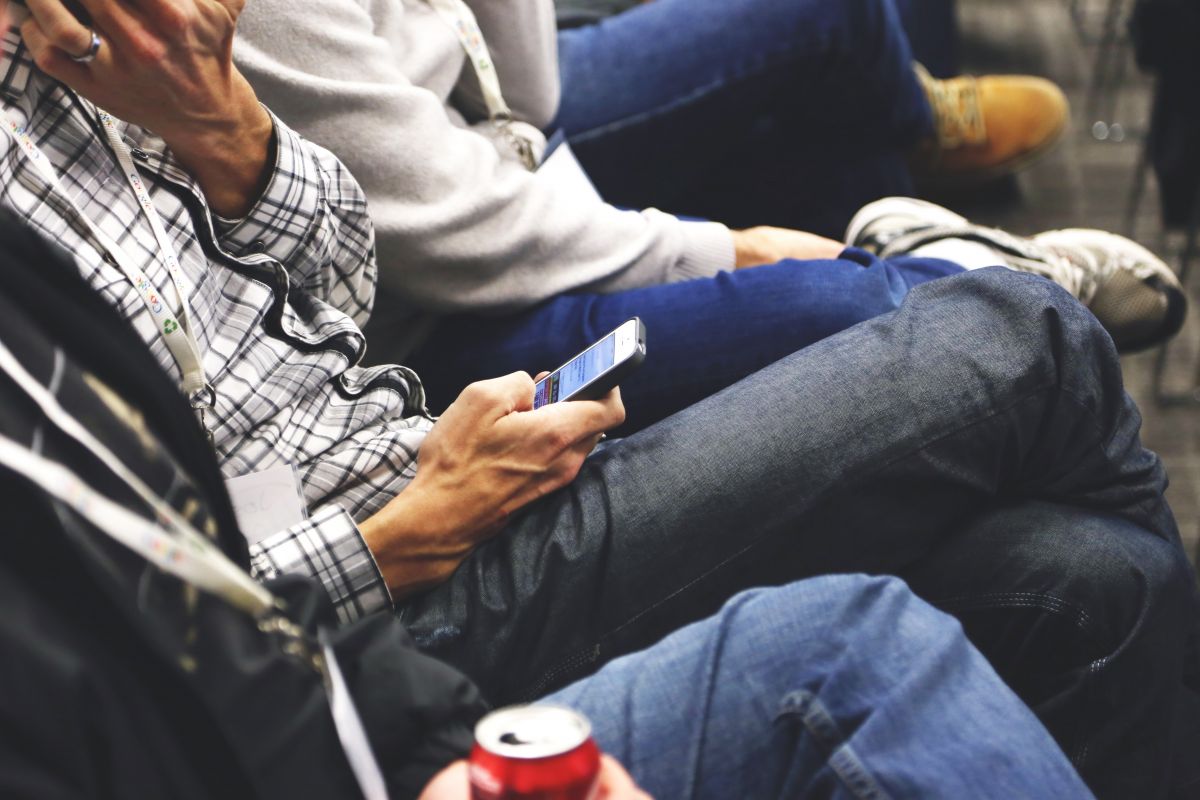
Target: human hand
[(765, 245), (488, 455), (166, 65), (454, 783)]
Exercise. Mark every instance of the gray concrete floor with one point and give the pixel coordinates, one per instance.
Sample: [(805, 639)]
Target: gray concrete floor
[(1086, 183)]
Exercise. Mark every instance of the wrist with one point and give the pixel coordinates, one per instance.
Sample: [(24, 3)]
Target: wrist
[(229, 155), (412, 552), (746, 252)]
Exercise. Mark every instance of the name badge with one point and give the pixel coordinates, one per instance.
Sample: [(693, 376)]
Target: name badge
[(267, 502), (562, 168)]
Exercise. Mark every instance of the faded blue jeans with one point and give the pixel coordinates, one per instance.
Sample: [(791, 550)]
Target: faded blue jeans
[(977, 442), (755, 112), (702, 335), (840, 687)]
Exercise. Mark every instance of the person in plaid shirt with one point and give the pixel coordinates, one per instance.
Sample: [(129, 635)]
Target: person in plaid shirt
[(977, 442)]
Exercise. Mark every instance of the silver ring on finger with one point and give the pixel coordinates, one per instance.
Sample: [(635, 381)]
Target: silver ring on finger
[(94, 47)]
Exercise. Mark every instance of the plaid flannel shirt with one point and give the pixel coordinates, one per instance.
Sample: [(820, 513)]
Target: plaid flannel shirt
[(277, 300)]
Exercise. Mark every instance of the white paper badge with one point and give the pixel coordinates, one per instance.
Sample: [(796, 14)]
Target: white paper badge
[(267, 502), (563, 169)]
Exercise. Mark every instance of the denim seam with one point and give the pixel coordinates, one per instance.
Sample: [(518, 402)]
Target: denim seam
[(840, 755), (1008, 599)]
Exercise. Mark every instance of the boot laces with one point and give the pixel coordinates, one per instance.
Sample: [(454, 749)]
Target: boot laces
[(957, 109)]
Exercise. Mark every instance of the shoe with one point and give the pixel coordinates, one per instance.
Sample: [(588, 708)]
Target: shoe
[(989, 126), (1136, 296)]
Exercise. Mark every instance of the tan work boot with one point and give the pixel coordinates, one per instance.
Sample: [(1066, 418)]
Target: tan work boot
[(989, 126)]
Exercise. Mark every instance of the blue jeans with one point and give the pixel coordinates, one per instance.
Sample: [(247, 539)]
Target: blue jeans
[(756, 112), (702, 335), (840, 686), (977, 441)]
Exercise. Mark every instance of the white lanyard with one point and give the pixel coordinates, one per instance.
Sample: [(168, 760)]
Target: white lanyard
[(185, 553), (462, 20), (176, 331)]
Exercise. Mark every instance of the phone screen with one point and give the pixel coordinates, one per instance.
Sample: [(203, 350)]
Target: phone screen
[(579, 372)]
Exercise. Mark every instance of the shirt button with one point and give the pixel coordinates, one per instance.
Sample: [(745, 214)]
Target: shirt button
[(140, 154), (256, 247)]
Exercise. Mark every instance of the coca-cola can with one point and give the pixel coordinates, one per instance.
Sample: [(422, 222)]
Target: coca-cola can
[(542, 752)]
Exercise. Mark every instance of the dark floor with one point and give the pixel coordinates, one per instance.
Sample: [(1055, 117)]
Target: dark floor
[(1086, 182)]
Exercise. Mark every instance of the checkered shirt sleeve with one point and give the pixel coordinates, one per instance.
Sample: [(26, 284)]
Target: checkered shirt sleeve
[(328, 547), (312, 216)]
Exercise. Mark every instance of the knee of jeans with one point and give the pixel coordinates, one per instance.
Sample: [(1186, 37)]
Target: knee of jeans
[(1019, 305), (841, 607)]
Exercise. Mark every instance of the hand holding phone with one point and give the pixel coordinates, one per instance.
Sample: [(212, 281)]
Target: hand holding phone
[(594, 372)]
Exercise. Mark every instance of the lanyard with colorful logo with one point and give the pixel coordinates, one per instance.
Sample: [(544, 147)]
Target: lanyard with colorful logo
[(462, 20), (173, 545), (176, 329)]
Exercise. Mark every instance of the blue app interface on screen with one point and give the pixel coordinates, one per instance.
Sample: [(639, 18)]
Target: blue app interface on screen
[(576, 374)]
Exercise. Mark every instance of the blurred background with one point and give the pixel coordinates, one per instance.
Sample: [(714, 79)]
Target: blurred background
[(1092, 179)]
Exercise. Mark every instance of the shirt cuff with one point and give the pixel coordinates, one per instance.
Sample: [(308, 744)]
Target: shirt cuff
[(708, 249), (326, 546), (281, 222)]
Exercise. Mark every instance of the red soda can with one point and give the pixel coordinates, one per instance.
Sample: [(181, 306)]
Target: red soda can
[(534, 753)]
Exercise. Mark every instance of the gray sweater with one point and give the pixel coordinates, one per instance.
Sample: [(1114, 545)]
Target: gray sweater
[(461, 224)]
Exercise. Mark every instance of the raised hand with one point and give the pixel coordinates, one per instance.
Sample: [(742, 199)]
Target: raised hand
[(166, 65)]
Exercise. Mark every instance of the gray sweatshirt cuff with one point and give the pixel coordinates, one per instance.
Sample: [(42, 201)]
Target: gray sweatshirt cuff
[(707, 250)]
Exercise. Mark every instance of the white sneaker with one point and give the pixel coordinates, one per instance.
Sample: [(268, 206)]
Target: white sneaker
[(1131, 291), (1136, 295)]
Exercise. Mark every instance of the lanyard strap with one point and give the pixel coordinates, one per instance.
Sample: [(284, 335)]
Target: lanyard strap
[(458, 15), (176, 331), (183, 552)]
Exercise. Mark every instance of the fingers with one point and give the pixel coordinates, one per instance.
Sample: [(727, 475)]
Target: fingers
[(139, 33), (55, 26), (167, 16), (586, 418), (616, 783), (452, 783), (54, 59), (498, 397)]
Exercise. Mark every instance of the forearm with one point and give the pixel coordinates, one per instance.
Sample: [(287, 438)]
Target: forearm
[(229, 156), (411, 552)]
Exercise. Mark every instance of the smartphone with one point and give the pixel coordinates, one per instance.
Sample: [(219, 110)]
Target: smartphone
[(594, 372)]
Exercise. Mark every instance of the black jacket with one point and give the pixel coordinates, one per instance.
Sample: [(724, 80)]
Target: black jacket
[(115, 679)]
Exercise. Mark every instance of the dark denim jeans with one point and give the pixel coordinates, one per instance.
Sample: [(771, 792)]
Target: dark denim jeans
[(702, 335), (753, 112), (838, 687), (977, 441)]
